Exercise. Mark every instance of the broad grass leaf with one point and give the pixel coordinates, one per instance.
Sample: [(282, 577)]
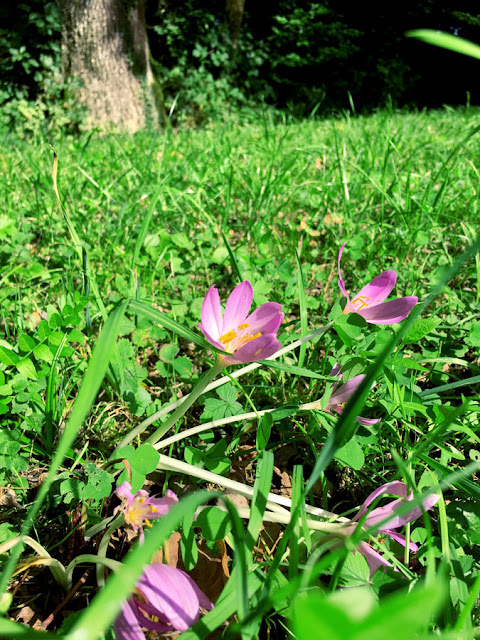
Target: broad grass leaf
[(351, 455), (421, 328), (314, 616), (446, 41), (410, 611), (263, 431)]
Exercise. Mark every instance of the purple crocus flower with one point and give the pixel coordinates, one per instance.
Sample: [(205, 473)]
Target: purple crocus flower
[(166, 593), (247, 337), (388, 527), (369, 301), (139, 508), (339, 397)]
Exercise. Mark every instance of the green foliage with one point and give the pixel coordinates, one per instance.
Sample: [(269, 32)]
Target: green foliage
[(352, 614), (202, 77), (34, 98), (272, 191), (142, 461)]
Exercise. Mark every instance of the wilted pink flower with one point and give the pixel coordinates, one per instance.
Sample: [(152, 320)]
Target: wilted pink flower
[(338, 398), (380, 515), (369, 301), (139, 508), (247, 337), (166, 593)]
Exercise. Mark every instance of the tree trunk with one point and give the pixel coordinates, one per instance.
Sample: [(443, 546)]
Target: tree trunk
[(234, 10), (104, 44)]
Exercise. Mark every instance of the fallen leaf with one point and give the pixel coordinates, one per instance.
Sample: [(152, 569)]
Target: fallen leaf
[(211, 571)]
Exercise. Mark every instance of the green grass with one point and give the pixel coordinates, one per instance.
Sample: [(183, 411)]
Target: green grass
[(159, 218)]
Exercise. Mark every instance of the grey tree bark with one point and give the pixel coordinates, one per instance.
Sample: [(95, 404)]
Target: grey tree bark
[(234, 10), (104, 43)]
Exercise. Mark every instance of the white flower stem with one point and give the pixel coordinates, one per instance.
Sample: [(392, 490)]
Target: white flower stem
[(56, 567), (199, 388), (223, 421), (284, 518), (217, 383), (274, 503)]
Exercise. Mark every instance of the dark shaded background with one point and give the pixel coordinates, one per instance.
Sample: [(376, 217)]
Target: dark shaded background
[(295, 55)]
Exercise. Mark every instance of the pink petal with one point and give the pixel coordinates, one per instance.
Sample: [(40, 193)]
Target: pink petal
[(210, 338), (266, 318), (257, 349), (396, 488), (237, 307), (126, 626), (389, 312), (274, 324), (367, 422), (212, 314), (378, 289), (173, 593), (162, 505), (346, 391), (338, 408), (374, 559), (124, 490), (341, 283), (399, 521), (336, 371), (402, 540)]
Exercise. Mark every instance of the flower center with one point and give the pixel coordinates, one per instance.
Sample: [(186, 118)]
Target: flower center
[(236, 338), (139, 512), (360, 302)]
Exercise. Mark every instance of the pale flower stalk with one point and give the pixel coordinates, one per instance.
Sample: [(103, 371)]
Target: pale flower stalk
[(369, 301)]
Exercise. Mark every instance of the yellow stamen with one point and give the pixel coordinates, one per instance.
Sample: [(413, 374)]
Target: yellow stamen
[(246, 339), (245, 325), (148, 523), (361, 300), (228, 337)]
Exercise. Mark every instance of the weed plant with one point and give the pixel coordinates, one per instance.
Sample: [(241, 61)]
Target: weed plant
[(102, 291)]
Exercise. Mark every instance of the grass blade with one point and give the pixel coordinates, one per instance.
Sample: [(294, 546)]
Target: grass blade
[(92, 380)]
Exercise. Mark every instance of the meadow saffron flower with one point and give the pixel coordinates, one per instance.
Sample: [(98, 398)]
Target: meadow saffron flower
[(389, 526), (247, 337), (369, 301), (139, 508), (165, 593), (339, 397)]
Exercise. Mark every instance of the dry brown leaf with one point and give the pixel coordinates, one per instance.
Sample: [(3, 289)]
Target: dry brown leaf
[(270, 536), (26, 615), (211, 571), (169, 553), (285, 482), (332, 218), (8, 498), (238, 501)]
